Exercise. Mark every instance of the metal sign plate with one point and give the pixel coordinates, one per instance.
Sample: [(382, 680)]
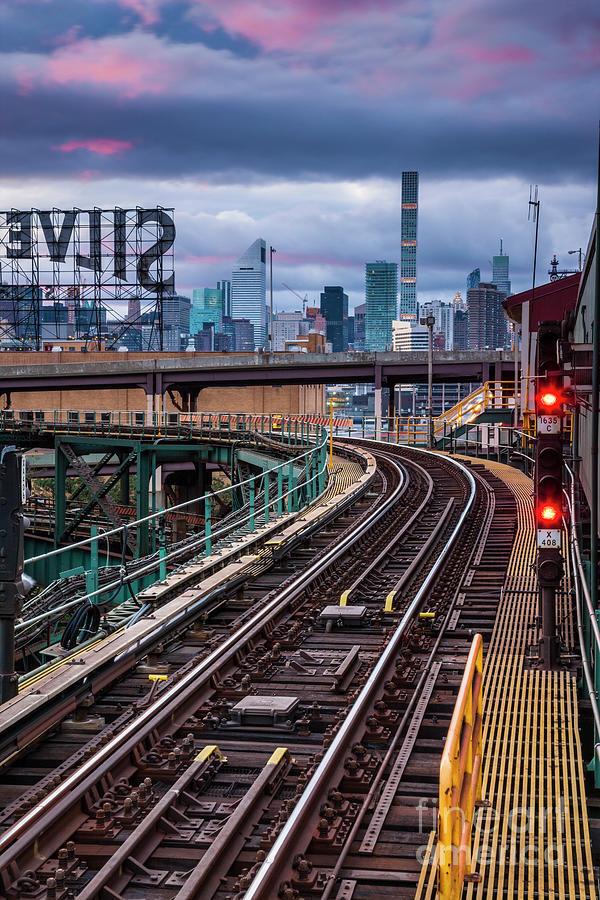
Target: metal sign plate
[(23, 479), (549, 424), (548, 538)]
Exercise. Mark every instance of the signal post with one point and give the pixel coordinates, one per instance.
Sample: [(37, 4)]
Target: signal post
[(14, 584), (548, 486)]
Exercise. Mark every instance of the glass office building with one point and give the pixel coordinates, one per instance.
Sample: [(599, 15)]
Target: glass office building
[(248, 289), (408, 253), (381, 300)]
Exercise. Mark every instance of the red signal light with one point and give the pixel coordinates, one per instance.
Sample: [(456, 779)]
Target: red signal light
[(548, 399), (549, 514)]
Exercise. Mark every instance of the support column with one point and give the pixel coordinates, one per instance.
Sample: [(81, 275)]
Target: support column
[(377, 403), (142, 499), (60, 492), (392, 400), (193, 402), (124, 481)]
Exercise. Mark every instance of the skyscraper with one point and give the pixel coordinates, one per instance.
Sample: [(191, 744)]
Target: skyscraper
[(408, 252), (225, 288), (334, 308), (207, 308), (500, 275), (473, 279), (487, 322), (248, 289), (359, 326), (461, 329), (443, 314), (381, 298)]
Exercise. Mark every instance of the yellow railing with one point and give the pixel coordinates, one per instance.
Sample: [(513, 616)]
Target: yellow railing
[(460, 779), (491, 395)]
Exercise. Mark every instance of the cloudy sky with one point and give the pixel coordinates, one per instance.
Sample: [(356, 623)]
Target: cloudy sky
[(294, 119)]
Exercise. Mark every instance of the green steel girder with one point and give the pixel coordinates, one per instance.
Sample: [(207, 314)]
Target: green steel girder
[(96, 469), (97, 496), (148, 457)]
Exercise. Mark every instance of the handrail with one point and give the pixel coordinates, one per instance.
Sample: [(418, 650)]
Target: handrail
[(579, 579), (491, 395), (460, 779)]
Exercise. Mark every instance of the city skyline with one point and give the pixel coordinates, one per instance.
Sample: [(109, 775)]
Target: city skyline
[(333, 102)]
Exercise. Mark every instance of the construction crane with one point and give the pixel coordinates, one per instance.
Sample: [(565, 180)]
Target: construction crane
[(303, 299)]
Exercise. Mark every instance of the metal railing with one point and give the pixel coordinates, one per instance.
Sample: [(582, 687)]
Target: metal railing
[(414, 430), (460, 779), (588, 628), (493, 395), (289, 429)]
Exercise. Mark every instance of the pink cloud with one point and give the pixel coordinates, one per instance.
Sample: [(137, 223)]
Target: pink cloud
[(508, 53), (214, 259), (25, 81), (109, 63), (286, 24), (147, 10), (102, 146), (88, 175)]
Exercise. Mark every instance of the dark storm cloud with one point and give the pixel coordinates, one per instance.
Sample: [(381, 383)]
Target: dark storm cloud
[(297, 89), (295, 118), (331, 137)]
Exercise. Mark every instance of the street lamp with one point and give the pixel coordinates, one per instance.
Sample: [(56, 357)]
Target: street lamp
[(576, 251), (430, 322)]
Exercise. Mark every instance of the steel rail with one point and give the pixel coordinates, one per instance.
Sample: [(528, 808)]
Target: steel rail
[(405, 528), (49, 809), (406, 717), (264, 885)]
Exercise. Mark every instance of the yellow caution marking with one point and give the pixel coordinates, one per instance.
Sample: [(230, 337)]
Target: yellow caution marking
[(208, 751), (158, 677), (277, 756), (344, 598), (389, 601)]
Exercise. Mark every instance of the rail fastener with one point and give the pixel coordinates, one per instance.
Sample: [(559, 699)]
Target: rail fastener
[(460, 780)]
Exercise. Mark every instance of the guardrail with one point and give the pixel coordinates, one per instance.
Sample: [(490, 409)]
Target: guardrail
[(287, 428), (460, 779)]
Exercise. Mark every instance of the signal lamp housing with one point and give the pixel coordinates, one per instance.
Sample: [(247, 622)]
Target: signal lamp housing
[(549, 514)]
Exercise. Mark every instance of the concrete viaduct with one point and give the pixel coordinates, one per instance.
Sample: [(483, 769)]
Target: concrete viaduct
[(187, 374)]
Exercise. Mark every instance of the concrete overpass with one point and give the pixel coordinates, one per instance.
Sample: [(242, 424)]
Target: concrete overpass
[(188, 374)]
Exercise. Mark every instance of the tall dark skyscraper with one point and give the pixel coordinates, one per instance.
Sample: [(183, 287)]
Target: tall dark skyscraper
[(500, 276), (461, 329), (334, 308), (487, 321), (408, 253), (381, 298)]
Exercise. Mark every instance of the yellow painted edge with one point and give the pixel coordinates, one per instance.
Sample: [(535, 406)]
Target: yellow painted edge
[(344, 598), (389, 601), (277, 756), (208, 751)]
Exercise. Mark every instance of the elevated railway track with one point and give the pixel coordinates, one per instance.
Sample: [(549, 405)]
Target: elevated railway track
[(273, 729), (290, 695)]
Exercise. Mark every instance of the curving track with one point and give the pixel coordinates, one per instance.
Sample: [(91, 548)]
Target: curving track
[(293, 748)]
